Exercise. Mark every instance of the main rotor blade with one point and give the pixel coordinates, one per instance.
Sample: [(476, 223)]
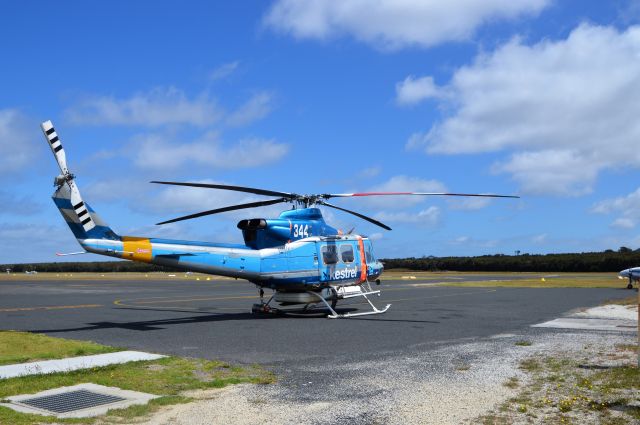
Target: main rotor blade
[(364, 217), (235, 188), (347, 195), (225, 209)]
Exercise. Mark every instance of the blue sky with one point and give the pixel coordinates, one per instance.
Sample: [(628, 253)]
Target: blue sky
[(539, 98)]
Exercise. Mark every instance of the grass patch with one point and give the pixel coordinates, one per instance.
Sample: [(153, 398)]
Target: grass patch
[(632, 300), (168, 377), (551, 282), (559, 389), (627, 347), (530, 365), (508, 279), (463, 367), (22, 347), (523, 343), (512, 383)]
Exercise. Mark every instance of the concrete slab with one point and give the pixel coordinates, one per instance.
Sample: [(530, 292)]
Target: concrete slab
[(602, 318), (74, 363), (131, 398), (590, 324), (610, 311)]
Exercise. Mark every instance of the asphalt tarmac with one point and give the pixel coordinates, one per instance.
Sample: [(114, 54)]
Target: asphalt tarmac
[(212, 319)]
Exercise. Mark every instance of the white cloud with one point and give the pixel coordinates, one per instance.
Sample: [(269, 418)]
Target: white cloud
[(468, 204), (115, 189), (467, 241), (224, 71), (413, 90), (461, 240), (370, 172), (20, 205), (427, 217), (627, 207), (16, 141), (160, 106), (156, 152), (566, 109), (44, 241), (256, 108), (169, 106), (392, 24), (376, 236), (550, 171), (540, 239), (179, 199), (624, 223)]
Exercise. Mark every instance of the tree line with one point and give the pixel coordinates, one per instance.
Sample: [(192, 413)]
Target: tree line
[(605, 261), (85, 267)]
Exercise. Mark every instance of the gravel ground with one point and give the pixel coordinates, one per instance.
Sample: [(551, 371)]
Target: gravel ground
[(449, 384)]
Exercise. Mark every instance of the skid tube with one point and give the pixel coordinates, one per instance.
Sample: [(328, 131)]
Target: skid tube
[(335, 315)]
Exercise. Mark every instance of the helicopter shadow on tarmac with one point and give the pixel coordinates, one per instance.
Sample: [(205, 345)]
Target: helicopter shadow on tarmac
[(158, 324), (203, 317)]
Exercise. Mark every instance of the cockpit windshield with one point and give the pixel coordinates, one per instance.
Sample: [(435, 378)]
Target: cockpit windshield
[(368, 250)]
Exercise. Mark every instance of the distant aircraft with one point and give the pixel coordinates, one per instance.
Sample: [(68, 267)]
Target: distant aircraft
[(633, 274)]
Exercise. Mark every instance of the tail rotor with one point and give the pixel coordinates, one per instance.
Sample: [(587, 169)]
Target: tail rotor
[(79, 207)]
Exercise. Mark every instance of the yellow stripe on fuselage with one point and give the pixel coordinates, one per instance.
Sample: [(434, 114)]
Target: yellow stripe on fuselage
[(137, 249)]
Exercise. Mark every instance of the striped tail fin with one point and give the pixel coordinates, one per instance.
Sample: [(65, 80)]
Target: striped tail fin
[(83, 221)]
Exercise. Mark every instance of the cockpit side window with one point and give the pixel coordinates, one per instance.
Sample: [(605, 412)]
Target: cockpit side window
[(329, 254), (346, 252)]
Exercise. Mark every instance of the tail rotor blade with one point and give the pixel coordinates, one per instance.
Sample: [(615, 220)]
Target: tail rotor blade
[(56, 146), (78, 205), (80, 208)]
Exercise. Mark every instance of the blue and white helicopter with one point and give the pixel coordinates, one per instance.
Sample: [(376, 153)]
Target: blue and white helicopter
[(297, 255)]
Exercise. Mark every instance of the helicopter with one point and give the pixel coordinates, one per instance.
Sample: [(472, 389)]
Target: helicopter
[(302, 259)]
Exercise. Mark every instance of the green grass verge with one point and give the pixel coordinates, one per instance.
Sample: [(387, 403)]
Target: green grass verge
[(23, 347), (168, 377), (556, 282), (509, 279)]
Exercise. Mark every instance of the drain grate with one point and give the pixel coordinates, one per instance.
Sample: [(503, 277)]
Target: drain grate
[(70, 401)]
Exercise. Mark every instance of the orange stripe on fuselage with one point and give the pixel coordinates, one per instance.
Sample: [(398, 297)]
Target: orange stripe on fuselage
[(363, 261), (136, 249)]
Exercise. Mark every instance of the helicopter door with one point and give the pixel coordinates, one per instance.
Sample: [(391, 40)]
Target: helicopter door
[(338, 261)]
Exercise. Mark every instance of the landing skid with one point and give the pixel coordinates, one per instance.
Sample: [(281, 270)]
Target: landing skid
[(339, 293), (264, 308), (352, 293)]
